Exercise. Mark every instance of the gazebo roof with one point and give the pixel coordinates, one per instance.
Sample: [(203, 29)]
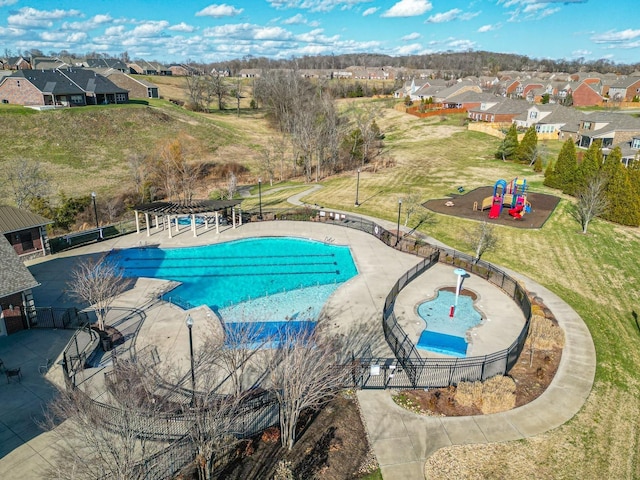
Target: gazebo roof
[(186, 208)]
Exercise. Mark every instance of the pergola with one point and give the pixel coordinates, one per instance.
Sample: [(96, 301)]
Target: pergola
[(164, 212)]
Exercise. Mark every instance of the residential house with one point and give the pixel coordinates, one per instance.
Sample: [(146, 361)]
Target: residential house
[(16, 298), (548, 118), (630, 151), (137, 87), (142, 67), (108, 63), (611, 128), (625, 90), (472, 100), (68, 87), (503, 111), (48, 63), (449, 94), (586, 95), (15, 63), (250, 73)]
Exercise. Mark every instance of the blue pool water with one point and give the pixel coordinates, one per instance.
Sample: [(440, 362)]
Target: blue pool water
[(444, 334), (251, 280)]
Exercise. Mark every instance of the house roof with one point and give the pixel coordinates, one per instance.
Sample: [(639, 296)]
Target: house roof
[(91, 81), (624, 82), (106, 63), (612, 122), (49, 81), (14, 276), (14, 219), (508, 106)]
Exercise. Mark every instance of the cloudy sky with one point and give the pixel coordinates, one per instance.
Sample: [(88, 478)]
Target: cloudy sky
[(180, 30)]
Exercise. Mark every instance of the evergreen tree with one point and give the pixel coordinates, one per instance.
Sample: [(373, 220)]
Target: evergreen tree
[(550, 178), (528, 146), (611, 163), (509, 146), (590, 165), (565, 168), (537, 165), (624, 204), (633, 170)]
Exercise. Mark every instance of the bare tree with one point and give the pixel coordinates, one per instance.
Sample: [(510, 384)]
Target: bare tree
[(591, 202), (481, 239), (138, 169), (413, 208), (242, 343), (28, 182), (305, 375), (98, 440), (197, 88), (98, 283), (218, 88)]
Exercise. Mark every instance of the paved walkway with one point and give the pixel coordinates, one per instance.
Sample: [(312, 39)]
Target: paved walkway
[(401, 440)]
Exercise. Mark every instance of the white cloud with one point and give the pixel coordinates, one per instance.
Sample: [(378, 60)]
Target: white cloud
[(149, 29), (616, 37), (316, 5), (544, 13), (445, 17), (219, 11), (411, 49), (460, 45), (247, 31), (316, 37), (182, 27), (486, 28), (370, 11), (30, 17), (581, 53), (411, 36), (90, 24), (4, 3), (408, 8), (295, 20)]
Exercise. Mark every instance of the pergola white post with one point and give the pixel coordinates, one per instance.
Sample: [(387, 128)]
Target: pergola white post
[(217, 223), (233, 216), (137, 221), (206, 221), (169, 220), (240, 215), (177, 224), (157, 222), (193, 224), (146, 219)]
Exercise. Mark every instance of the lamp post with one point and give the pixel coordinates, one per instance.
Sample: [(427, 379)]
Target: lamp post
[(95, 208), (189, 323), (398, 231), (260, 197), (358, 188)]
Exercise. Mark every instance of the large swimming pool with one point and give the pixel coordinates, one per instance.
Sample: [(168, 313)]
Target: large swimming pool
[(257, 279), (445, 334)]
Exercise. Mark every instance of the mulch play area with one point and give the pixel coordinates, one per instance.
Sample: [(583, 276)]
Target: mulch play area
[(461, 205)]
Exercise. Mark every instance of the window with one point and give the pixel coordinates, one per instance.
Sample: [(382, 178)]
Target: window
[(586, 125), (533, 114), (635, 143), (77, 99), (121, 97)]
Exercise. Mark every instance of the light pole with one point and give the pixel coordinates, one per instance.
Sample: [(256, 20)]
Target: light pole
[(260, 197), (399, 210), (189, 323), (95, 209), (358, 188)]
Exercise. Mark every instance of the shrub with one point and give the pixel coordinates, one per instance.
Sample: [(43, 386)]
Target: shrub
[(496, 394)]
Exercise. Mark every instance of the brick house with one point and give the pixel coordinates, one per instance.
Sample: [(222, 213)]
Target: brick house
[(609, 127), (504, 111), (26, 231), (64, 87), (587, 94), (16, 298), (625, 90)]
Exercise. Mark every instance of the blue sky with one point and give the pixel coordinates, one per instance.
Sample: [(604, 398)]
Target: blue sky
[(198, 30)]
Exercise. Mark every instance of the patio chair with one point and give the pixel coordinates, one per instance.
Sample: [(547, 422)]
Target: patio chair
[(13, 373), (44, 368)]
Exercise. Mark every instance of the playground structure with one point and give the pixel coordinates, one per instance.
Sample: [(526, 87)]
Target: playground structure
[(512, 194)]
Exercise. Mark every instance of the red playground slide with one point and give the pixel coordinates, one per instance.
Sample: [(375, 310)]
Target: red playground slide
[(496, 207)]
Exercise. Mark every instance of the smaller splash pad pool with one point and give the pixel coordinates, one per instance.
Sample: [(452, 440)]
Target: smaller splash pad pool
[(445, 334)]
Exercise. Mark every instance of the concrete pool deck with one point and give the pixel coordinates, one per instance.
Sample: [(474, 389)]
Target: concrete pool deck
[(402, 441)]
